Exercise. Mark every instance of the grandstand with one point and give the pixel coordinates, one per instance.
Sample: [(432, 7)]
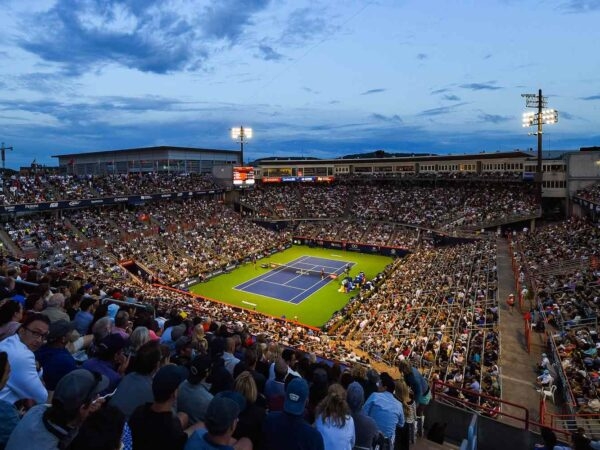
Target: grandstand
[(140, 241)]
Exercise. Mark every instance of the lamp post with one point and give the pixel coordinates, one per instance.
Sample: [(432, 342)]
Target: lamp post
[(240, 133), (3, 150), (542, 116)]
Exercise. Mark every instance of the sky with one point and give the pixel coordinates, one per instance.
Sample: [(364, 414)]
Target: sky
[(311, 78)]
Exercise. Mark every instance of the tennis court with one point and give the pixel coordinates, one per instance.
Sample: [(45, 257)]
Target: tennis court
[(296, 280)]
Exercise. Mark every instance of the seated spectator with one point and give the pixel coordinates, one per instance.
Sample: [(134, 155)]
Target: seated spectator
[(24, 381), (102, 430), (9, 416), (56, 308), (135, 389), (11, 314), (154, 425), (53, 356), (54, 426), (85, 316), (193, 395), (251, 418), (287, 429), (221, 421), (109, 360)]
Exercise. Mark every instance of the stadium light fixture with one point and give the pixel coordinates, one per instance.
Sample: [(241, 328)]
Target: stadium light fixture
[(542, 116), (3, 150), (241, 134)]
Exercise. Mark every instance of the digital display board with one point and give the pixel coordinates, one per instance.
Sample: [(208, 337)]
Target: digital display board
[(243, 177)]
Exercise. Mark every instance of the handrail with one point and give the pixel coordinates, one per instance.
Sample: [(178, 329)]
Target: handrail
[(476, 406)]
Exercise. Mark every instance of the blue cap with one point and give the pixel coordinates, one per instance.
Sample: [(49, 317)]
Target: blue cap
[(296, 395)]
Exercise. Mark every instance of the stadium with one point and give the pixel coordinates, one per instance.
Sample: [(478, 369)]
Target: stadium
[(353, 265)]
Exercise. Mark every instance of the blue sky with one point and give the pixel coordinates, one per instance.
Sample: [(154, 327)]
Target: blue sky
[(312, 78)]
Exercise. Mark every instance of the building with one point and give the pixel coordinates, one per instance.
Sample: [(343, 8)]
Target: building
[(146, 159)]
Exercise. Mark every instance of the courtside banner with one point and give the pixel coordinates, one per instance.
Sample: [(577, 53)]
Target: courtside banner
[(351, 246)]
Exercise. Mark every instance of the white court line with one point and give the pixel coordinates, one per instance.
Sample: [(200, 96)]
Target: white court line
[(290, 287)]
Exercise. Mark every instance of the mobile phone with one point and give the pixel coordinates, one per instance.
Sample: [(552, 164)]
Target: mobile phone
[(106, 396)]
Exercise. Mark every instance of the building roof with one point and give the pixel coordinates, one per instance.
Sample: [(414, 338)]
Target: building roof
[(144, 149), (413, 158)]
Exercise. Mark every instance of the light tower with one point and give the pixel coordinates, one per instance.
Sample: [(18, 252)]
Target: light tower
[(240, 133), (3, 150), (542, 116)]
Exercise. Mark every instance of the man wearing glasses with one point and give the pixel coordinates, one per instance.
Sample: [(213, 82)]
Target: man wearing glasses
[(24, 382)]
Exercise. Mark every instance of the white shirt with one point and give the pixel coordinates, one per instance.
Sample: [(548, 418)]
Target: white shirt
[(24, 381)]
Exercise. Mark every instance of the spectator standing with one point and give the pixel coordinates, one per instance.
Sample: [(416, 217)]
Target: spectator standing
[(420, 388), (385, 409), (334, 421), (364, 426), (287, 429), (24, 381)]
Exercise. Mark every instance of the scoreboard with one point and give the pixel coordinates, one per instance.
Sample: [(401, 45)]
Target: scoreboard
[(243, 177)]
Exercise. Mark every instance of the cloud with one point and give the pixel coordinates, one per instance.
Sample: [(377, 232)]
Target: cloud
[(439, 91), (567, 116), (591, 97), (494, 118), (488, 86), (579, 6), (306, 25), (373, 91), (383, 118), (452, 97), (149, 36), (422, 56), (488, 56), (310, 91), (268, 54), (440, 110)]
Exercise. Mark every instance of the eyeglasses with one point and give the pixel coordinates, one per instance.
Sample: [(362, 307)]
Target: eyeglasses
[(37, 334)]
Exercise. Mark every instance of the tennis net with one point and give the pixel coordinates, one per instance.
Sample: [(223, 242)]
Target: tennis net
[(303, 271)]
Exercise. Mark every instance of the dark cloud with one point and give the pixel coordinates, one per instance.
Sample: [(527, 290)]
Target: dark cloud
[(422, 56), (567, 116), (488, 56), (591, 97), (439, 91), (150, 36), (373, 91), (306, 25), (440, 110), (226, 19), (494, 118), (580, 6), (268, 54), (383, 118), (488, 86), (452, 97)]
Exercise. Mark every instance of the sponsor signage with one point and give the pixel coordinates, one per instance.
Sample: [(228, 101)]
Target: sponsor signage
[(351, 246), (299, 179)]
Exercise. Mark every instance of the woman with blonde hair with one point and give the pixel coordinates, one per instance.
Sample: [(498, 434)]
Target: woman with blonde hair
[(405, 435), (334, 420), (250, 420)]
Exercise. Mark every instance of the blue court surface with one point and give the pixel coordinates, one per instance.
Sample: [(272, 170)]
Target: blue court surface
[(297, 280)]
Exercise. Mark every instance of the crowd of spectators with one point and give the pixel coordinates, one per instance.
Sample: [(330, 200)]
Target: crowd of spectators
[(559, 264), (42, 187), (591, 193), (441, 205)]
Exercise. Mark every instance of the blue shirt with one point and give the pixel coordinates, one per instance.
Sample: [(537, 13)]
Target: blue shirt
[(56, 362), (285, 431), (199, 441), (386, 411), (104, 368), (83, 320)]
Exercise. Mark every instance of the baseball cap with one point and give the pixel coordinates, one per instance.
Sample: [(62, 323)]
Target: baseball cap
[(355, 396), (199, 368), (167, 380), (59, 329), (78, 388), (296, 394), (221, 413)]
